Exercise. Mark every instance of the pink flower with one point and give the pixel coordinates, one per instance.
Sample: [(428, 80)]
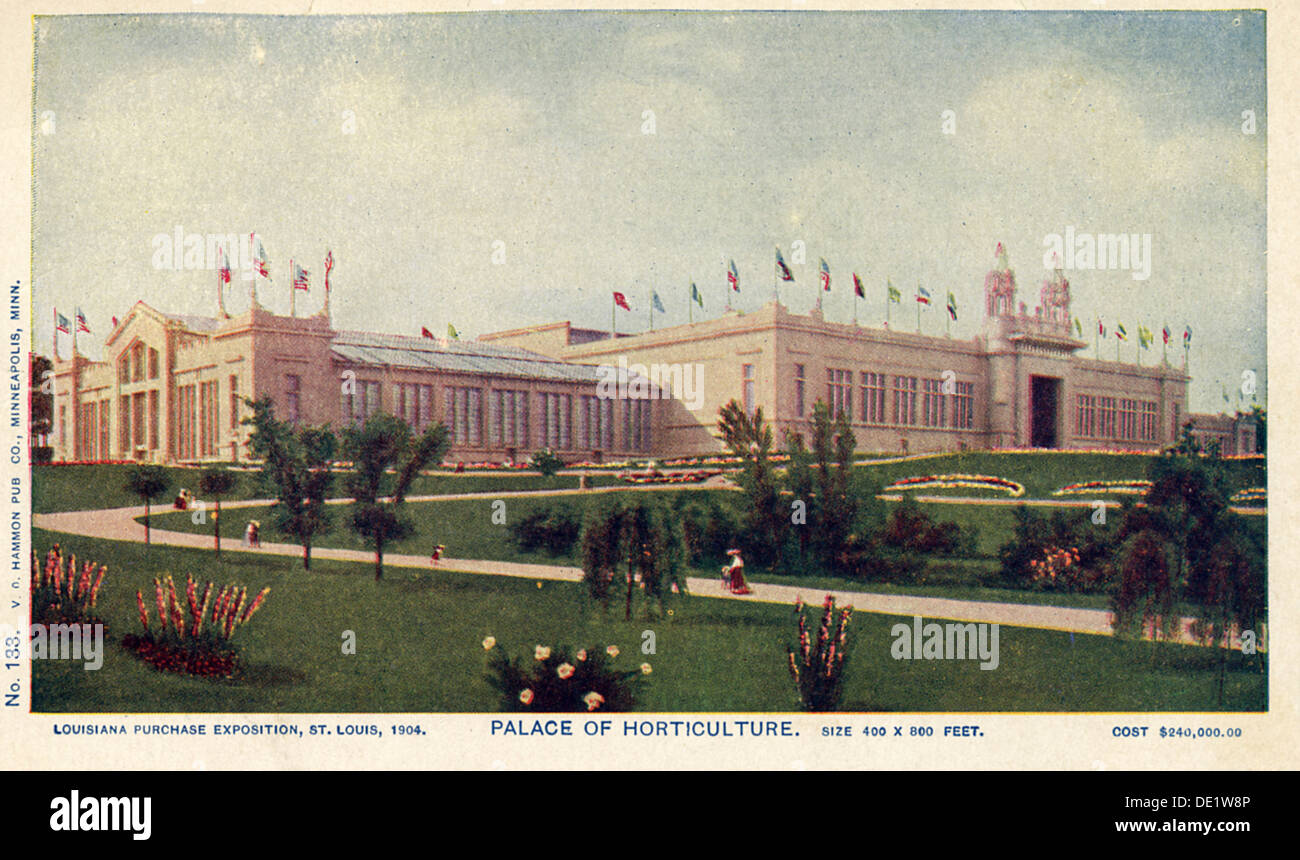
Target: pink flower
[(527, 697), (582, 655), (612, 650), (593, 700), (645, 669), (565, 671), (541, 652)]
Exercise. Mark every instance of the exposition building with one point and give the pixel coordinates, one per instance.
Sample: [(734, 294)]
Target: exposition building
[(171, 387)]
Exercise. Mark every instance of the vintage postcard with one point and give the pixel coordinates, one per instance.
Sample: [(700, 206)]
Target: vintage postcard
[(519, 388)]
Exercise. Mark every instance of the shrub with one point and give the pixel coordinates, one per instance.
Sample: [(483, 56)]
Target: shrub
[(193, 637), (563, 681), (910, 528), (546, 461), (709, 529), (554, 530), (62, 593), (818, 670), (1057, 553), (42, 454)]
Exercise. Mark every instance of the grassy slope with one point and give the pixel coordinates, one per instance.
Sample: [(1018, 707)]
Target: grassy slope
[(418, 650)]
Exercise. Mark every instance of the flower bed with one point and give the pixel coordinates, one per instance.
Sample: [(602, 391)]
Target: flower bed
[(62, 591), (675, 478), (193, 636), (562, 681), (1253, 495), (957, 481), (1137, 487)]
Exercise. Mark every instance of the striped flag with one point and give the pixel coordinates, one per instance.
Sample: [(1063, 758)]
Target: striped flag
[(1101, 327), (826, 276), (922, 295), (858, 290), (1187, 336), (329, 264), (894, 295), (223, 268), (260, 260), (1165, 332), (952, 306), (782, 270), (1120, 331), (301, 278), (733, 278), (81, 322), (695, 295), (61, 323)]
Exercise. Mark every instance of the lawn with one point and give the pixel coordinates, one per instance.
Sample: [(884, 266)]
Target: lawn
[(418, 636)]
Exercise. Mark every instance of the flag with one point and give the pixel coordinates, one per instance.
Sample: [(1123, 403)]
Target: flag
[(224, 268), (696, 297), (1165, 332), (452, 333), (1187, 336), (424, 332), (621, 301), (782, 270), (952, 306), (1145, 337), (1101, 328), (81, 322), (894, 295), (329, 264), (858, 290), (922, 295), (733, 278), (655, 303), (61, 323), (826, 276), (1078, 327), (260, 260), (114, 322), (301, 278), (1120, 332)]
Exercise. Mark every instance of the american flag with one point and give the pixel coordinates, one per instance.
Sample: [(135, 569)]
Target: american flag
[(61, 323), (224, 267), (81, 322), (826, 277), (260, 260), (781, 268), (301, 278), (733, 279)]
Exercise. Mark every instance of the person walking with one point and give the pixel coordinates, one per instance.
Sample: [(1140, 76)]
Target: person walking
[(735, 573)]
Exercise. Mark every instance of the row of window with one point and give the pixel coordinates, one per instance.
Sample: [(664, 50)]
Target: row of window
[(1116, 418), (903, 394), (131, 364)]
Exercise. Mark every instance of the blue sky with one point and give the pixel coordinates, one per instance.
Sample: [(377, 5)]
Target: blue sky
[(410, 146)]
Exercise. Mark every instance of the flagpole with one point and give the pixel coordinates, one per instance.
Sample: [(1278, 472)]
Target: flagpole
[(889, 300), (56, 333), (918, 307), (690, 311), (947, 320), (293, 289), (855, 304), (613, 318)]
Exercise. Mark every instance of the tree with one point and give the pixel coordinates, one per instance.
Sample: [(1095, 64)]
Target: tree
[(799, 481), (148, 482), (383, 443), (296, 466), (750, 439), (1146, 590), (42, 400), (1231, 592), (832, 444), (1261, 427), (217, 482), (638, 541)]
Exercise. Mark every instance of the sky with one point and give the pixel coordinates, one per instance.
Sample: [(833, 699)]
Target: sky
[(498, 170)]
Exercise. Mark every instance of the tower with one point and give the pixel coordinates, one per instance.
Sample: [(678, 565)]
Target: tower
[(1054, 300)]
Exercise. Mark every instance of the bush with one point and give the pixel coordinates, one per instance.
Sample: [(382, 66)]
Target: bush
[(818, 670), (554, 530), (1057, 553), (563, 681), (62, 594), (709, 529), (42, 454), (194, 637), (546, 461), (910, 528)]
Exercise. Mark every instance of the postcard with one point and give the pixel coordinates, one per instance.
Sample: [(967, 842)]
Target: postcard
[(530, 387)]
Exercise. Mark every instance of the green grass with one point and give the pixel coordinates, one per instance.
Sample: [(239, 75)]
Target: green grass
[(418, 638), (73, 488)]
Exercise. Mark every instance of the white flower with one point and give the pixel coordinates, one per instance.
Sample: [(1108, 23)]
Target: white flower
[(593, 700), (541, 652), (489, 643), (526, 697), (565, 671), (612, 650), (582, 655), (645, 669)]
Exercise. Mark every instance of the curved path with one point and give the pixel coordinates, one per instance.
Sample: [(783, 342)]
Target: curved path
[(121, 524)]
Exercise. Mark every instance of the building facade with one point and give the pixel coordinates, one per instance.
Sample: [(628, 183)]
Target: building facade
[(172, 388)]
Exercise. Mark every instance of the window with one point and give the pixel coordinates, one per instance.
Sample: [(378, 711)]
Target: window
[(747, 386), (839, 391), (153, 363), (873, 398), (137, 362), (208, 419), (557, 409), (599, 426), (153, 419), (464, 415), (1147, 428), (292, 388), (234, 402), (508, 418), (104, 451), (799, 390), (137, 419), (1085, 419), (63, 427), (636, 424), (124, 368), (1106, 417), (123, 423), (1128, 419), (905, 400), (185, 426), (963, 406), (933, 404), (1177, 428), (361, 401)]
